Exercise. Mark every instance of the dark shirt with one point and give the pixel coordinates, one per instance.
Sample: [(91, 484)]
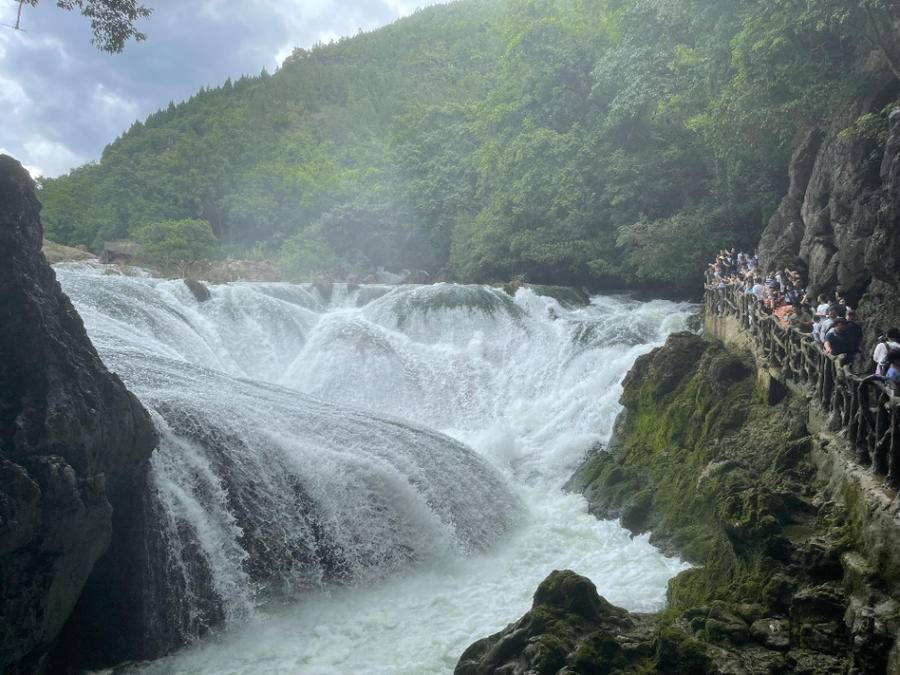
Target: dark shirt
[(846, 342)]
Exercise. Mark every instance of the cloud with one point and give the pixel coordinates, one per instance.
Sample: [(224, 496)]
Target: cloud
[(48, 157), (63, 100), (35, 171)]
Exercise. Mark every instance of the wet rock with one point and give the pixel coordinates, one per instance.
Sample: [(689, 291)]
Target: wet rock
[(723, 625), (773, 633), (817, 619), (805, 662), (199, 290), (73, 442), (821, 559), (873, 627), (569, 625)]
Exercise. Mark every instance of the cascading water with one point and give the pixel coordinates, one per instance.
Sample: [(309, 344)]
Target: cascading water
[(285, 464)]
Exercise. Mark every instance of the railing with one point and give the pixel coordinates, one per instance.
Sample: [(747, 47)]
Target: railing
[(868, 408)]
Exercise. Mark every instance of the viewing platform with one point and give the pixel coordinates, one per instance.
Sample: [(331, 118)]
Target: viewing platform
[(865, 410)]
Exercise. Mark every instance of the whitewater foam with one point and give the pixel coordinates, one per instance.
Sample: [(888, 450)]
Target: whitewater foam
[(307, 386)]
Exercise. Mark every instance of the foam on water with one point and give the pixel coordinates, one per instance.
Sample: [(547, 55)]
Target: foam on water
[(435, 546)]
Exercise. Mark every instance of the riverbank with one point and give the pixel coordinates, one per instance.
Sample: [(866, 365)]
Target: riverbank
[(793, 545)]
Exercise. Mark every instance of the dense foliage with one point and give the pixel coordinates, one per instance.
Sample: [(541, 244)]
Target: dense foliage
[(570, 141), (176, 245)]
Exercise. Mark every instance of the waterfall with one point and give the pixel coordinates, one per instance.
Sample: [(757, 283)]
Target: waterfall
[(314, 437), (260, 491)]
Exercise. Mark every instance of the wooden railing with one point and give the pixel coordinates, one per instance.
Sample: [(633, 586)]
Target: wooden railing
[(866, 408)]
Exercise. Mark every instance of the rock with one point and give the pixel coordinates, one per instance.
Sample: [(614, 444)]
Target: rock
[(817, 619), (773, 633), (806, 662), (55, 253), (723, 625), (569, 625), (417, 277), (73, 441), (821, 559), (667, 366), (198, 289), (120, 252), (838, 220)]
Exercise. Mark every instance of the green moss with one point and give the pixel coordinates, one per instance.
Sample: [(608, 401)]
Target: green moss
[(550, 654), (677, 653), (694, 461), (598, 655)]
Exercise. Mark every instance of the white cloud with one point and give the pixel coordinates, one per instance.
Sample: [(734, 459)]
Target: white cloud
[(35, 171), (117, 111), (47, 157), (13, 97), (283, 53)]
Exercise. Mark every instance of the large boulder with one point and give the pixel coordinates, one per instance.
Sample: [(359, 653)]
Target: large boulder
[(74, 442), (569, 625)]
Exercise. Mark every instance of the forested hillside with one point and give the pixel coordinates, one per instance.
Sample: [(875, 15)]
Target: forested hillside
[(573, 141)]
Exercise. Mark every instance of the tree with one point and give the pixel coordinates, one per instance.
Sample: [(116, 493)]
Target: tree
[(112, 21), (177, 245)]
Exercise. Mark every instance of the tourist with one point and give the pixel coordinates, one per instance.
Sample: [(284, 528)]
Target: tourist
[(759, 289), (893, 371), (854, 331), (842, 340), (887, 343), (821, 329)]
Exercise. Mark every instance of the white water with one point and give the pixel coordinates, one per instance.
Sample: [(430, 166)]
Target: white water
[(440, 546)]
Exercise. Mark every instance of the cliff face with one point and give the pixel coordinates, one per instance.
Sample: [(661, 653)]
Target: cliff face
[(729, 476), (73, 441), (841, 217)]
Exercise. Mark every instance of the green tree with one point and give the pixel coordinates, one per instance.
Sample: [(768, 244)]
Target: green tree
[(182, 246)]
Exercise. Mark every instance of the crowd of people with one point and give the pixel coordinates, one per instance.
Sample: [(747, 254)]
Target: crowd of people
[(833, 324)]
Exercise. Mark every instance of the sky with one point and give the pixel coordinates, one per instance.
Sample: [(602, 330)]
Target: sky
[(62, 100)]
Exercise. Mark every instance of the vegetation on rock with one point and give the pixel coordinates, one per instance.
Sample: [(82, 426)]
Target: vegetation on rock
[(176, 245)]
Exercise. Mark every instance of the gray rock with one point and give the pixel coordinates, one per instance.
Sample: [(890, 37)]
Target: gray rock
[(73, 442), (838, 220), (198, 289), (773, 633)]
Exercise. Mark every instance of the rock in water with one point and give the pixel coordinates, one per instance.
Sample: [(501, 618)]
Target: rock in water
[(199, 290), (569, 627), (74, 441)]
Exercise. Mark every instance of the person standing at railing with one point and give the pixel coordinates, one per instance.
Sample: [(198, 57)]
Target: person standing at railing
[(893, 371), (888, 342), (843, 340), (820, 330), (855, 333)]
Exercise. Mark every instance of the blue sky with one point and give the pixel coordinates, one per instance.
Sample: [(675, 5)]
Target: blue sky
[(63, 100)]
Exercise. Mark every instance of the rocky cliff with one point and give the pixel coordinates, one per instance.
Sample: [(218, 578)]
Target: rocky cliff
[(787, 576), (74, 442), (840, 220)]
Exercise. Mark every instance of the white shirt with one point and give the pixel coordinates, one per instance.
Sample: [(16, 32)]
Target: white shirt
[(759, 290), (882, 349)]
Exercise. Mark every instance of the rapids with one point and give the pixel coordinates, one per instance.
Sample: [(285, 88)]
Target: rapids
[(366, 480)]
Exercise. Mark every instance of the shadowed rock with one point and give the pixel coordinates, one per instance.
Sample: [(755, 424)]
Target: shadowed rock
[(73, 441)]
